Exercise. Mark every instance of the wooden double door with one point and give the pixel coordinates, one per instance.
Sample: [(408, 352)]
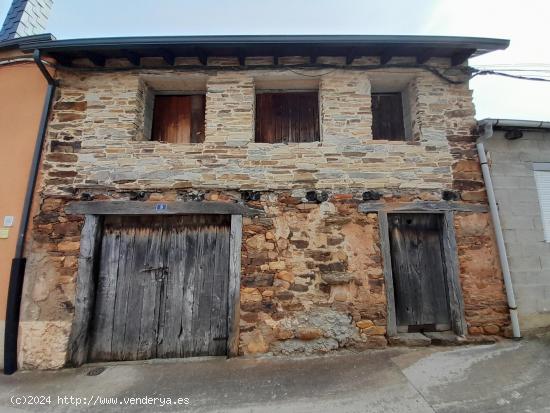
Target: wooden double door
[(162, 288), (419, 273)]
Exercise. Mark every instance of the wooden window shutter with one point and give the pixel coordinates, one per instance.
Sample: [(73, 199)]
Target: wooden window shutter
[(287, 117), (387, 116), (179, 119)]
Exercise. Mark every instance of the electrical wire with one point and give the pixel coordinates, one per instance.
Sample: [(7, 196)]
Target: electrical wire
[(499, 73)]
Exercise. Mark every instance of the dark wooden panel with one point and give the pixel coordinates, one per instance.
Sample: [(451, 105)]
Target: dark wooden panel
[(235, 245), (104, 310), (173, 330), (387, 116), (418, 270), (421, 206), (287, 117), (152, 278), (388, 274), (179, 118), (169, 208), (90, 242), (452, 271), (163, 288)]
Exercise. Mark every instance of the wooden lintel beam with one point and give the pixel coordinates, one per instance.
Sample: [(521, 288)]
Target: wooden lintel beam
[(159, 208), (62, 59), (421, 206), (461, 57), (351, 55), (423, 57), (202, 56), (96, 58), (385, 57), (133, 57), (168, 56)]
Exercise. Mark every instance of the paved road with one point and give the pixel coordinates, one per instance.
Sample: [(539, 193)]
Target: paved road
[(504, 377)]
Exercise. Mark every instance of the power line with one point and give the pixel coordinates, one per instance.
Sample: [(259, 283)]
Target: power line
[(509, 75)]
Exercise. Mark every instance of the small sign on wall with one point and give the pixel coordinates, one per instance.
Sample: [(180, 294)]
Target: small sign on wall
[(4, 233), (8, 221)]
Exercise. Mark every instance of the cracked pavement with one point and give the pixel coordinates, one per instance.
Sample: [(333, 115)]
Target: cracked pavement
[(510, 376)]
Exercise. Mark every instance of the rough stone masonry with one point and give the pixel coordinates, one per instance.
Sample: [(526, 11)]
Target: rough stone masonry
[(312, 272)]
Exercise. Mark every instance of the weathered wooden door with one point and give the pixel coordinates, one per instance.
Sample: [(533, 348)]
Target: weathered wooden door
[(421, 302), (162, 288)]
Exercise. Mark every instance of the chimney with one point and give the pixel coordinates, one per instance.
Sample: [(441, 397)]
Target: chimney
[(26, 18)]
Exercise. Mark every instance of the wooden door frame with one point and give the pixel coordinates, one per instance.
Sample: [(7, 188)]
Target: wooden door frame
[(90, 244), (450, 262)]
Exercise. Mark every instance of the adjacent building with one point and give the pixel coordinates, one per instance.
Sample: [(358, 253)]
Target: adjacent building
[(23, 92), (519, 158)]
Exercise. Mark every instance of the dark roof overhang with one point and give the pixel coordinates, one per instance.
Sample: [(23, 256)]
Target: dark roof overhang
[(20, 42), (458, 49)]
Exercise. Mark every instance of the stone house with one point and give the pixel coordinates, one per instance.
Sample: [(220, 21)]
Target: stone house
[(518, 153), (257, 194)]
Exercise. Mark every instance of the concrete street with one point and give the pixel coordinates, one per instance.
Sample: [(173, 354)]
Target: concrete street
[(509, 376)]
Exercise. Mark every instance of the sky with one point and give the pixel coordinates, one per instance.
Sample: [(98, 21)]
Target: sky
[(524, 22)]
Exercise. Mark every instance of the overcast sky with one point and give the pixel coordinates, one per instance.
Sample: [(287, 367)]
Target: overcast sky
[(524, 22)]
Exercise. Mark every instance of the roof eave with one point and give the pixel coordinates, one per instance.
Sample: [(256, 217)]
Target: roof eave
[(481, 45)]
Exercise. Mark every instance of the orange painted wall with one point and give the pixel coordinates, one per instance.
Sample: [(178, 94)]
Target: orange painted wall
[(22, 91)]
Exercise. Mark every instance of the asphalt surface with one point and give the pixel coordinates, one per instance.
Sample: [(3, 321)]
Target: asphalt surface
[(510, 376)]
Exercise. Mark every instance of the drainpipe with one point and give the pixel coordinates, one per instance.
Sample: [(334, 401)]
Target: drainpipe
[(500, 241), (18, 263)]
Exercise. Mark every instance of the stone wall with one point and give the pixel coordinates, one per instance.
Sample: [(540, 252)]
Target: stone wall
[(312, 275), (96, 137)]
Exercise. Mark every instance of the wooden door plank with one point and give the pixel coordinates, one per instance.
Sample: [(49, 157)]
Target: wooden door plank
[(162, 302), (419, 275), (173, 336), (198, 278), (206, 308), (450, 251), (90, 243), (385, 247), (201, 312), (153, 273), (235, 246), (137, 279), (188, 272), (102, 330), (220, 296), (125, 267)]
